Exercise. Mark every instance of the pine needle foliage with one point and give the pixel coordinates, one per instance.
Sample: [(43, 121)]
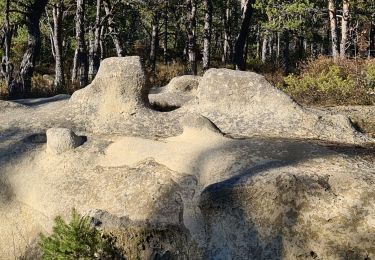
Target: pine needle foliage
[(77, 239)]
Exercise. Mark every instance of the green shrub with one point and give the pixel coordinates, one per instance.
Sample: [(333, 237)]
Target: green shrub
[(331, 81), (370, 74), (323, 82), (77, 239)]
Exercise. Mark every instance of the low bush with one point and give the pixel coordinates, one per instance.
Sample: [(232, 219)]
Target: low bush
[(370, 74), (77, 239), (323, 82), (3, 89)]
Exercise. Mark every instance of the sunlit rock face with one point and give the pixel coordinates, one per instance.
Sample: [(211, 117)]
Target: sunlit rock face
[(184, 179)]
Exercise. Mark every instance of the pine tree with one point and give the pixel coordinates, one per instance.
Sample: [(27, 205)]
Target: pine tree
[(77, 239)]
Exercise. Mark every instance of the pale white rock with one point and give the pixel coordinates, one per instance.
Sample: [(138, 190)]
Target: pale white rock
[(60, 140), (246, 104)]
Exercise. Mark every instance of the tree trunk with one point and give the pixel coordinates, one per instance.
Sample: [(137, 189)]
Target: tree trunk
[(94, 62), (6, 67), (227, 51), (344, 28), (191, 30), (112, 27), (314, 46), (285, 62), (22, 84), (264, 48), (371, 52), (207, 34), (80, 62), (101, 44), (333, 26), (165, 41), (154, 41), (278, 47), (300, 47), (57, 13), (242, 37)]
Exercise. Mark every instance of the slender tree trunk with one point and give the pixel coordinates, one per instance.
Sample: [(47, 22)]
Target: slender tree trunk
[(80, 62), (112, 28), (371, 52), (57, 14), (191, 29), (7, 68), (333, 26), (94, 61), (154, 41), (22, 85), (285, 62), (278, 47), (314, 46), (258, 54), (270, 46), (227, 51), (344, 28), (242, 37), (301, 47), (102, 49), (264, 48), (165, 41), (207, 34)]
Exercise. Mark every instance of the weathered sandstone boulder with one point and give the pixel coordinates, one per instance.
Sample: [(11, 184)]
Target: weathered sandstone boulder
[(179, 91), (118, 89), (60, 140), (245, 104)]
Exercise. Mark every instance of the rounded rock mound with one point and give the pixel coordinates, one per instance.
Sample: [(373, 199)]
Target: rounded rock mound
[(60, 140), (245, 104)]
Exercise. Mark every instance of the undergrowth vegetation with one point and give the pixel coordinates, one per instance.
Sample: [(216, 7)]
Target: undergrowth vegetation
[(323, 82), (77, 239)]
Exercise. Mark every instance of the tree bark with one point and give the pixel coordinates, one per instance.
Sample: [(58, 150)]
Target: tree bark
[(344, 28), (112, 28), (314, 46), (371, 52), (333, 27), (285, 61), (94, 58), (23, 81), (242, 36), (80, 62), (264, 48), (154, 41), (207, 34), (300, 47), (191, 30), (57, 14), (6, 67), (227, 46), (165, 41)]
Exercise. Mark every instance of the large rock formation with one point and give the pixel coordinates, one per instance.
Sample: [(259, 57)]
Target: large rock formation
[(118, 89), (245, 104), (182, 179)]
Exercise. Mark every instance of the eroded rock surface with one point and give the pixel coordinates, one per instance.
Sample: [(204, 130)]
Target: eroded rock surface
[(179, 91), (179, 182), (245, 104), (60, 140)]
